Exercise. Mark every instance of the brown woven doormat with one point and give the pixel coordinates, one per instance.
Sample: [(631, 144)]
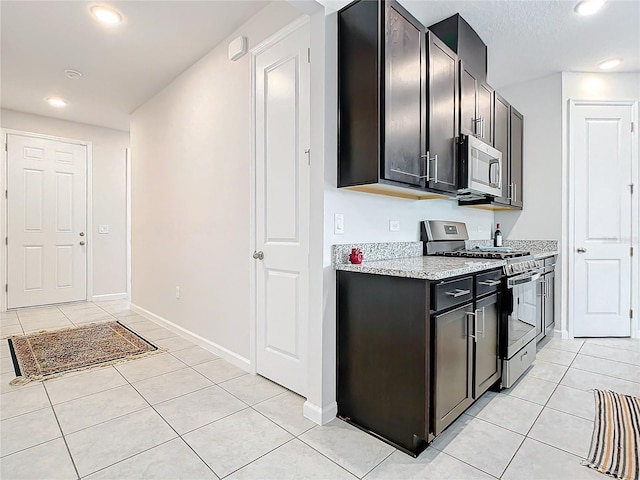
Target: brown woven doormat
[(616, 435), (39, 356)]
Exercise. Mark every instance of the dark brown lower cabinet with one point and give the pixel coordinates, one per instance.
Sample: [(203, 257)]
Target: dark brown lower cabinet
[(412, 354), (488, 366), (453, 366)]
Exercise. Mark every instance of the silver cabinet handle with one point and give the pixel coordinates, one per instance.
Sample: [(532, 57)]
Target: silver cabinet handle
[(475, 122), (481, 126), (483, 312), (510, 191), (581, 250), (490, 283), (458, 293), (515, 196), (435, 173), (82, 243), (258, 255), (475, 318)]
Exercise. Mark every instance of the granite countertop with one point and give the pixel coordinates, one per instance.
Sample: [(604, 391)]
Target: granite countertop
[(427, 268), (414, 265)]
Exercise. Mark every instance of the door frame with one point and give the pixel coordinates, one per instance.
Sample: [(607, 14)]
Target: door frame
[(253, 270), (568, 236), (4, 168)]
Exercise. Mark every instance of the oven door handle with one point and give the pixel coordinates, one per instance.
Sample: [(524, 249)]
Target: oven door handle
[(522, 279)]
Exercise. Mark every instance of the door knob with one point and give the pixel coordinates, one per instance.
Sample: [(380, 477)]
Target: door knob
[(81, 243), (82, 234), (581, 250), (258, 255)]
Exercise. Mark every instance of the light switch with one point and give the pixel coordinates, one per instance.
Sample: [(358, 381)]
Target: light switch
[(338, 224), (394, 225), (103, 228)]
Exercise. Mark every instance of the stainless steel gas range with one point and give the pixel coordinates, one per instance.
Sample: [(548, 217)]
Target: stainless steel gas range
[(517, 343)]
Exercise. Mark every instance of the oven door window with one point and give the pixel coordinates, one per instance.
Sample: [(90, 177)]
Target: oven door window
[(522, 318)]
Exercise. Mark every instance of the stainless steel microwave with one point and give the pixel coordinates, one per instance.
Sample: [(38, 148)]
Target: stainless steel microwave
[(480, 169)]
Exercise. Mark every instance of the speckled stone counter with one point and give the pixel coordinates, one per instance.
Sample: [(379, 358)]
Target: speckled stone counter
[(428, 268), (404, 259)]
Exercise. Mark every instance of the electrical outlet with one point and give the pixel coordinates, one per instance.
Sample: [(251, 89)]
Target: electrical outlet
[(177, 293), (394, 225), (338, 224), (103, 228)]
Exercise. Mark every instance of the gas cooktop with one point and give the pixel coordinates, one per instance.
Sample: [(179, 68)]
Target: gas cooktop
[(484, 254)]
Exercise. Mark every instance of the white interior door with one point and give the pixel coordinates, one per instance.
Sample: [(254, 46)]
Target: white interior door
[(282, 210), (601, 153), (46, 221)]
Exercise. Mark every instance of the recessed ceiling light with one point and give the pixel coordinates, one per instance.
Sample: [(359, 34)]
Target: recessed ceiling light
[(56, 102), (588, 7), (106, 15), (72, 74), (610, 63)]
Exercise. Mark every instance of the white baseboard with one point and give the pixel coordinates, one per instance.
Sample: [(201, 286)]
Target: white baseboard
[(564, 334), (110, 296), (320, 415), (213, 347)]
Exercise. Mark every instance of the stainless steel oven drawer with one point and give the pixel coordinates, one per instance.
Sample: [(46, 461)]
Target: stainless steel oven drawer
[(488, 282), (514, 367), (450, 293)]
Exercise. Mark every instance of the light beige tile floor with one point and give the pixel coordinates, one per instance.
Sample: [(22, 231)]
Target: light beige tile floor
[(188, 414)]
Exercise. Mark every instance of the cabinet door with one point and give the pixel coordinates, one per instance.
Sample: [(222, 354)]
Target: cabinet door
[(468, 124), (501, 143), (442, 116), (453, 357), (485, 113), (404, 97), (516, 157), (488, 364)]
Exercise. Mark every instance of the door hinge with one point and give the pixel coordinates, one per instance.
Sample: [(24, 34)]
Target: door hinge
[(6, 194), (630, 313), (6, 287), (6, 240), (632, 127), (631, 251), (309, 55), (631, 188), (308, 152)]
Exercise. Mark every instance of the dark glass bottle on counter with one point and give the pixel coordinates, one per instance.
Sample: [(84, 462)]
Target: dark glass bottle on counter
[(497, 237)]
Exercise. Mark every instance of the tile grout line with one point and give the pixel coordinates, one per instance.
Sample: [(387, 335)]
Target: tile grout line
[(170, 426), (328, 458), (545, 406), (64, 439)]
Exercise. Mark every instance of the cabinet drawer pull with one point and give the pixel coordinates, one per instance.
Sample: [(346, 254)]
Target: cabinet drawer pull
[(458, 293), (490, 283)]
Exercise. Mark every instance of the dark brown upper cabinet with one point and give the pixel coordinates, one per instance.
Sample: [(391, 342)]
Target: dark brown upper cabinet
[(476, 105), (442, 115), (501, 137), (458, 35), (516, 155), (382, 100), (508, 136)]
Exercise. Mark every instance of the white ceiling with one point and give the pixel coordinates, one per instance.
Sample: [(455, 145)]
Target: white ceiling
[(122, 66), (125, 66), (528, 39)]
